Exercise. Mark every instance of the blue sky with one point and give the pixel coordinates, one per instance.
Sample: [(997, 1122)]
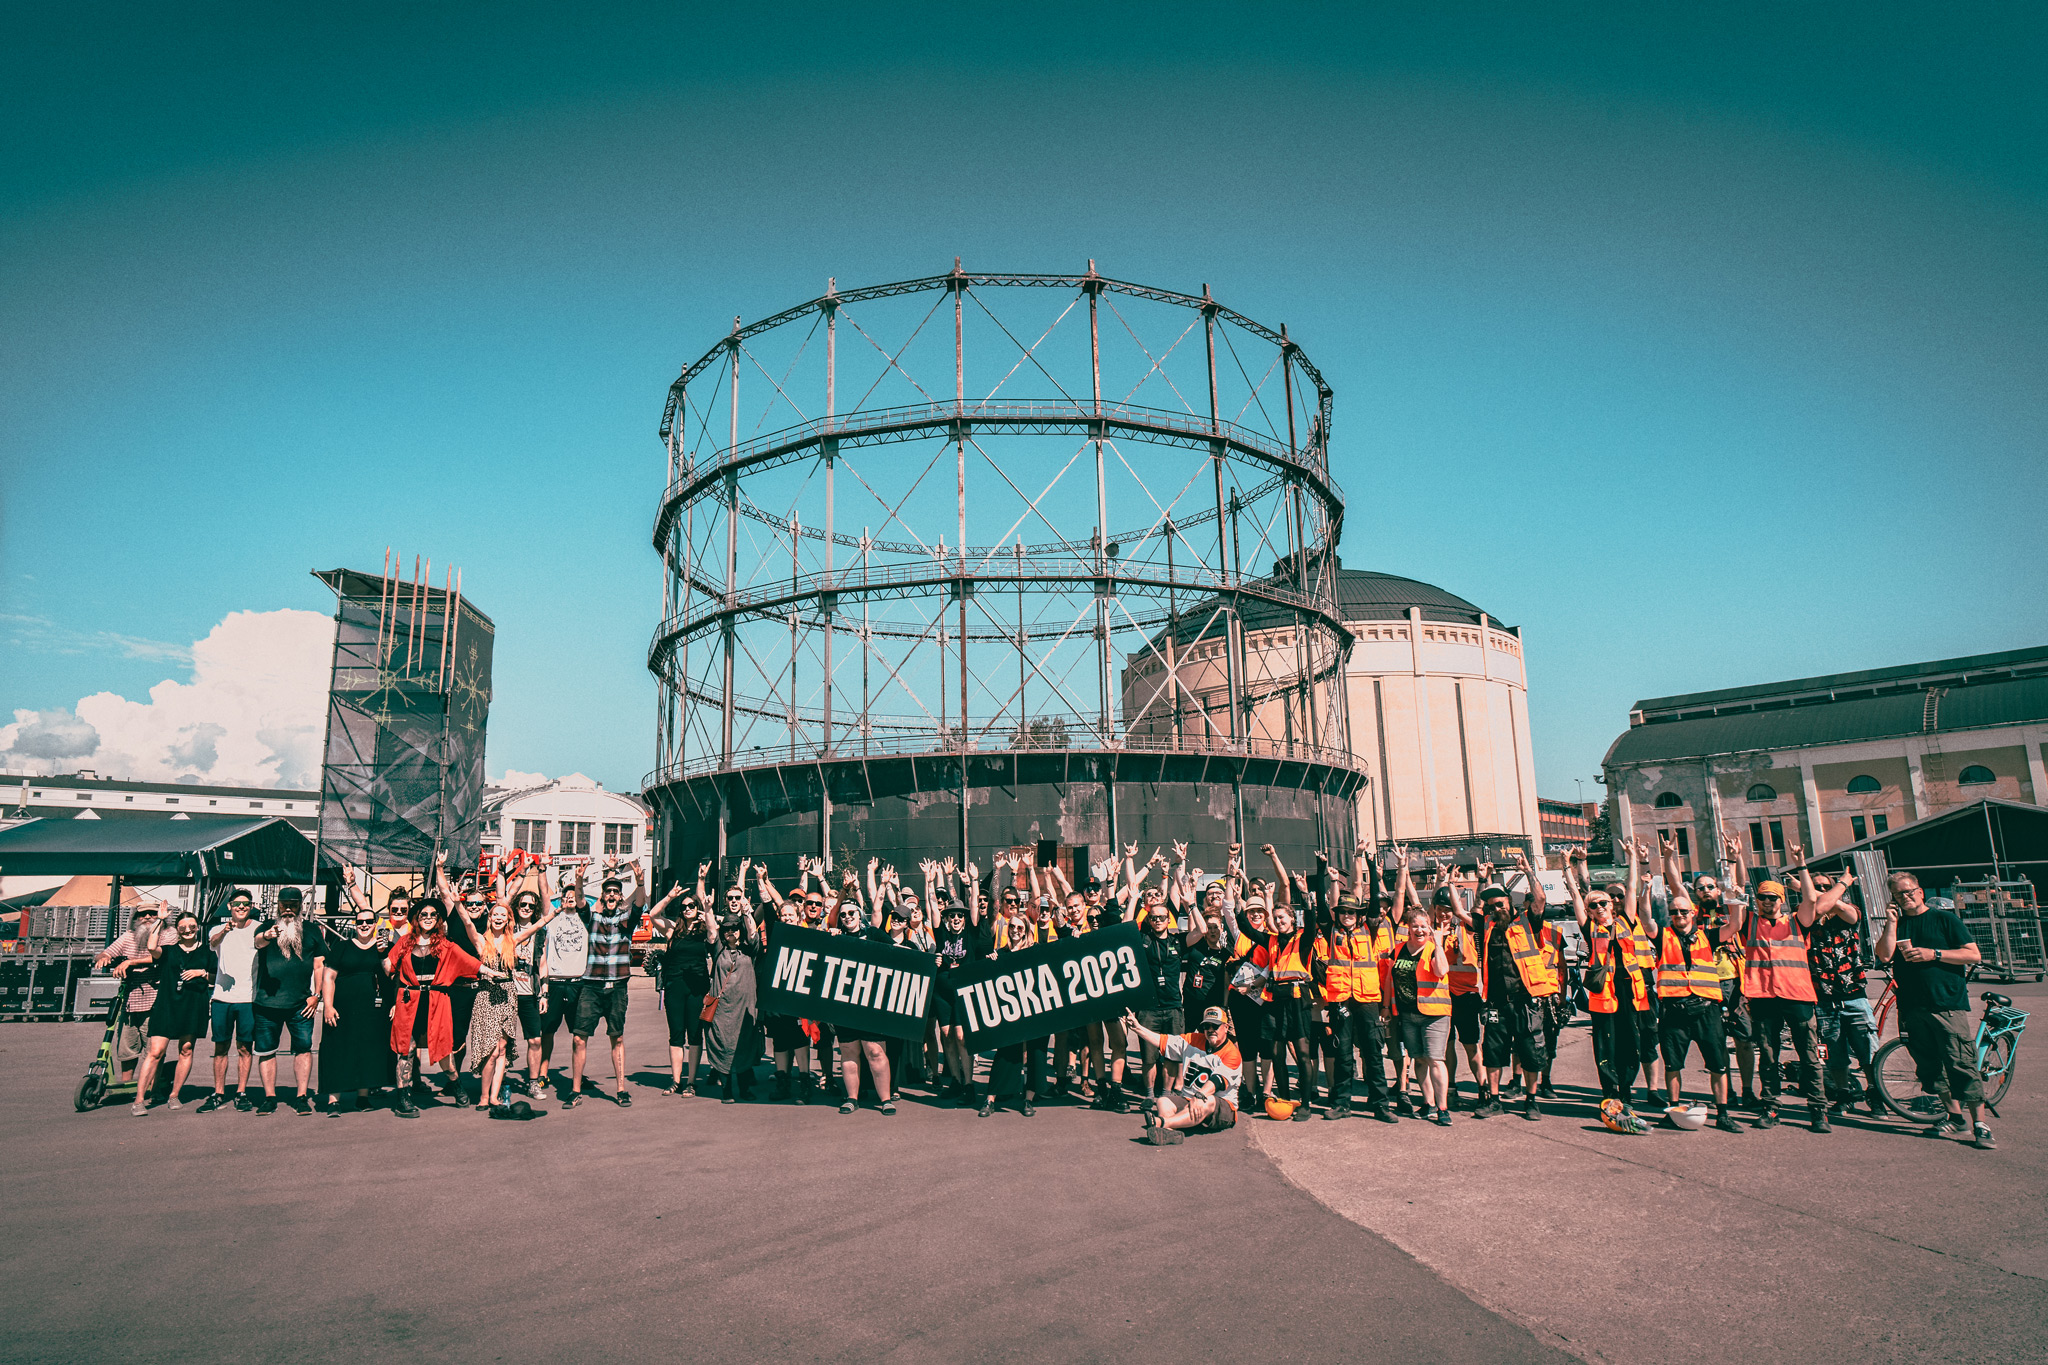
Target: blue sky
[(1708, 349)]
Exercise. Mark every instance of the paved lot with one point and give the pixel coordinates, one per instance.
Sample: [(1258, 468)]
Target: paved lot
[(749, 1231), (1871, 1243), (685, 1227)]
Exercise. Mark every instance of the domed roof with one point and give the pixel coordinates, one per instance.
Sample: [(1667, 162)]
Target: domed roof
[(1364, 595)]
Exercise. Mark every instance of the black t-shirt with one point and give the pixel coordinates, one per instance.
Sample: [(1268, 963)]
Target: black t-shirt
[(1503, 981), (283, 981), (972, 941), (1159, 963), (686, 964), (176, 961), (1404, 977), (1208, 978), (1934, 986)]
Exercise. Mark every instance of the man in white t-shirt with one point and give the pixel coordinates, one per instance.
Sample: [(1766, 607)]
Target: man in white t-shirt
[(234, 1001), (565, 956)]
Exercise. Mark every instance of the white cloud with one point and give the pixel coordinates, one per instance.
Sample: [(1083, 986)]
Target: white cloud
[(253, 713)]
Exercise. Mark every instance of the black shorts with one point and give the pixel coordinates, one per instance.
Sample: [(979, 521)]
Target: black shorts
[(946, 1007), (604, 1000), (1287, 1020), (685, 1013), (529, 1016), (1465, 1018), (785, 1032), (1162, 1022), (1684, 1025), (562, 998)]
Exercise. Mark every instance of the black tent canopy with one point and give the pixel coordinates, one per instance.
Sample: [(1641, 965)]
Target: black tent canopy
[(1989, 838), (150, 849)]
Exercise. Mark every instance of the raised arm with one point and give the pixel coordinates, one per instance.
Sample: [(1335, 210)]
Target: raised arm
[(1808, 910), (1578, 895), (1284, 891), (1629, 889)]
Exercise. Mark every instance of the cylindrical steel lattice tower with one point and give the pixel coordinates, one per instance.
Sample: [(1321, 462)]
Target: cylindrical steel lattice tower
[(972, 561)]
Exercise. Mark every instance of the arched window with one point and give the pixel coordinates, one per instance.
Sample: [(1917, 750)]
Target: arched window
[(1763, 791), (1976, 775), (1864, 784), (1667, 800)]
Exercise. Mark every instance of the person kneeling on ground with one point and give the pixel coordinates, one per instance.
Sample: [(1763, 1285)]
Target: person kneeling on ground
[(1210, 1070)]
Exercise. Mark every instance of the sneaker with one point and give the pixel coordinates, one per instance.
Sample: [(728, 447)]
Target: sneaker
[(1530, 1111), (573, 1099), (1337, 1111), (847, 1107), (267, 1105), (1544, 1091), (1768, 1119), (1443, 1118), (212, 1102), (1027, 1110), (1820, 1122), (1749, 1103), (988, 1107), (174, 1103), (889, 1108), (300, 1105), (1487, 1108), (1164, 1137), (1301, 1114), (139, 1108), (1406, 1108), (1948, 1127), (244, 1101), (1981, 1139), (1726, 1123)]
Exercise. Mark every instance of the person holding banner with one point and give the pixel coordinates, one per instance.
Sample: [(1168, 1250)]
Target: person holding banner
[(856, 1046), (1017, 1068), (1210, 1071), (960, 937), (734, 1039)]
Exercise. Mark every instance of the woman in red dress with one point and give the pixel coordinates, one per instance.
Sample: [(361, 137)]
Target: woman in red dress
[(424, 963)]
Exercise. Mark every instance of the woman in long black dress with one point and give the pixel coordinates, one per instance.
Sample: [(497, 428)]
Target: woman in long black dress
[(184, 994), (355, 1047)]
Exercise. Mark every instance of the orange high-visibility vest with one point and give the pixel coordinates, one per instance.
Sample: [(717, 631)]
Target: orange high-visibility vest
[(1531, 963), (1675, 977), (1432, 988), (1774, 965), (1354, 964), (1637, 958), (1464, 964)]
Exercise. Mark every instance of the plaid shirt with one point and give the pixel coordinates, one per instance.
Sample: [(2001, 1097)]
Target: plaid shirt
[(140, 997), (611, 943)]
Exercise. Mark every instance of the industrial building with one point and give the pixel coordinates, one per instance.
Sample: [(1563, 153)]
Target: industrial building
[(1830, 761), (1438, 707)]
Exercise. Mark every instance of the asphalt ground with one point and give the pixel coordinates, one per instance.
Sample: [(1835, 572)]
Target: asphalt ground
[(681, 1226), (1871, 1243)]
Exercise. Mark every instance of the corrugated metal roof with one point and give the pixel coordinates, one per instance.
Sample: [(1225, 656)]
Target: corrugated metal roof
[(1976, 706), (1907, 675)]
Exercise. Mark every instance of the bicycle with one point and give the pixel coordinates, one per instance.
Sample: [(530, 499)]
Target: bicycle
[(1998, 1037)]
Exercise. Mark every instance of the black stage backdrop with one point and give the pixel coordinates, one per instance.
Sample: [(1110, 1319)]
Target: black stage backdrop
[(1056, 986), (846, 982)]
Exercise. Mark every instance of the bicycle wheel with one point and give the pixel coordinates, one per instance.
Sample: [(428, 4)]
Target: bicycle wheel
[(1898, 1085), (1999, 1060)]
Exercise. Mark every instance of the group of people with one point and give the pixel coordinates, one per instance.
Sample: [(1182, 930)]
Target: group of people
[(1256, 994)]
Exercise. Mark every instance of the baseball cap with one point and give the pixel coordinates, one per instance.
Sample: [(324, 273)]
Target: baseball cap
[(1213, 1017), (290, 894), (1488, 892)]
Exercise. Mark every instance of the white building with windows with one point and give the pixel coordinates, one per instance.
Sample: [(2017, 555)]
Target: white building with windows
[(572, 819)]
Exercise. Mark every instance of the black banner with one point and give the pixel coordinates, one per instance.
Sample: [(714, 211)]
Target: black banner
[(1066, 984), (846, 982)]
